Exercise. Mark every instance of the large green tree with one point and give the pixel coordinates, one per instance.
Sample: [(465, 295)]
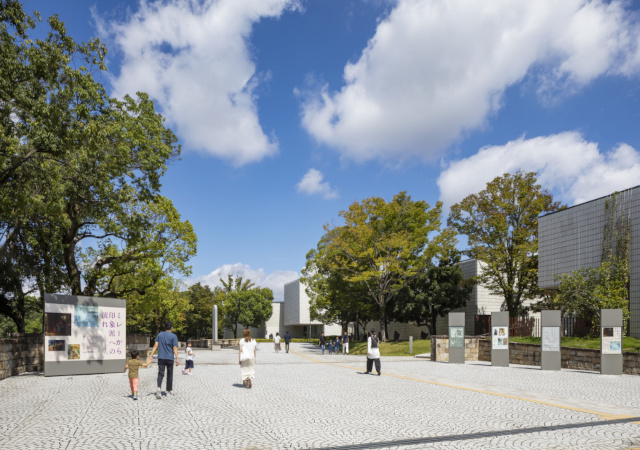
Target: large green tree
[(80, 173), (332, 298), (436, 291), (243, 303), (383, 245), (501, 225), (199, 319)]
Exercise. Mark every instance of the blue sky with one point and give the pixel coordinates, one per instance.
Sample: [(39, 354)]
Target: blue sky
[(288, 111)]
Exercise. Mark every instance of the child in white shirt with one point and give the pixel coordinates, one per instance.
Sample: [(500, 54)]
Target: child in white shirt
[(188, 365)]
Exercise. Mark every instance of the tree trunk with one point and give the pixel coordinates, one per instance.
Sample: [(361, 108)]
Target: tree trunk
[(432, 326), (383, 323)]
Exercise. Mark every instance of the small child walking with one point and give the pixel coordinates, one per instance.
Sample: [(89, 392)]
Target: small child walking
[(134, 365), (337, 346), (188, 365), (330, 347)]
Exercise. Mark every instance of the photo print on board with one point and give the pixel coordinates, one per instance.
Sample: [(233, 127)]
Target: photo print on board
[(85, 316), (56, 345), (57, 324), (74, 351)]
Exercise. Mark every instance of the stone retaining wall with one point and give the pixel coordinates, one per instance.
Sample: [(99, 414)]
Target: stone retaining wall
[(529, 354), (21, 354), (26, 353), (139, 342), (202, 343), (440, 348)]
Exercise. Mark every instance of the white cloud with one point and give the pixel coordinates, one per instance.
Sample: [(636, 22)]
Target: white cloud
[(193, 58), (312, 184), (437, 69), (571, 167), (274, 281)]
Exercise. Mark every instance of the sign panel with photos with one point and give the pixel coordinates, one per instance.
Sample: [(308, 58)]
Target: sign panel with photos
[(500, 338), (84, 332), (611, 340), (551, 339), (456, 337)]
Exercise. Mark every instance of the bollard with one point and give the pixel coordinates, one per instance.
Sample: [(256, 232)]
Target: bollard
[(411, 345)]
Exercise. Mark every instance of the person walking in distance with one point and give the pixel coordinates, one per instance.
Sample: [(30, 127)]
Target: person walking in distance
[(167, 346), (287, 340), (345, 343), (247, 358), (323, 342), (276, 343), (373, 352)]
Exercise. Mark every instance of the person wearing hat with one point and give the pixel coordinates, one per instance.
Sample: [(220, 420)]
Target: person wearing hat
[(373, 352)]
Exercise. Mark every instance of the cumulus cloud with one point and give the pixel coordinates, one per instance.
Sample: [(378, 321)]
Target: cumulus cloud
[(274, 281), (436, 69), (574, 169), (312, 184), (193, 58)]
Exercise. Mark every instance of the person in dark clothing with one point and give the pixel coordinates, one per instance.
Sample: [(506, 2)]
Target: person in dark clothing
[(323, 342), (287, 340), (167, 346), (373, 352)]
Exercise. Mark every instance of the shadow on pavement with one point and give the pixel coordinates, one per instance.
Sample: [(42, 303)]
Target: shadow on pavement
[(488, 434)]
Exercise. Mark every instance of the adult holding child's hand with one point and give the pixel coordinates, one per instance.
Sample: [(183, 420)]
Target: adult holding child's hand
[(167, 346)]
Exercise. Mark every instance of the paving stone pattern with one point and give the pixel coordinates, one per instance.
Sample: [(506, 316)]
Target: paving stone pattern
[(308, 400)]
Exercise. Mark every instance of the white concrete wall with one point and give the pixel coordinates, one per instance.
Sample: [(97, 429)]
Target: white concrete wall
[(296, 305), (275, 324)]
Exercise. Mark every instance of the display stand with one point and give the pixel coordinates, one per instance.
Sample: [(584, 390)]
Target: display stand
[(611, 322), (500, 339), (84, 335), (456, 337), (551, 357)]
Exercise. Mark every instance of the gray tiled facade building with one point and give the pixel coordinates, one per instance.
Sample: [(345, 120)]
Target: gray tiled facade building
[(573, 238)]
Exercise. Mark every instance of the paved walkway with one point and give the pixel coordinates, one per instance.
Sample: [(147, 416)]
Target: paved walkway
[(307, 400)]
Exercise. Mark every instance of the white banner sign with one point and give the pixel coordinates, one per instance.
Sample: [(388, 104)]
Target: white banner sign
[(83, 332)]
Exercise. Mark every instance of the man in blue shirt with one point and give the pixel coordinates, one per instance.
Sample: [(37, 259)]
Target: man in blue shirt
[(167, 346)]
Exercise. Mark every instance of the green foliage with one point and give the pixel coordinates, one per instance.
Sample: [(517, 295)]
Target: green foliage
[(376, 252), (148, 312), (589, 289), (243, 303), (501, 225), (80, 203), (32, 321), (399, 348), (333, 299), (199, 319), (433, 293)]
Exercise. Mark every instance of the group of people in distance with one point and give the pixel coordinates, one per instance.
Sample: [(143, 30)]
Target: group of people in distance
[(276, 342), (166, 343), (333, 345), (373, 348)]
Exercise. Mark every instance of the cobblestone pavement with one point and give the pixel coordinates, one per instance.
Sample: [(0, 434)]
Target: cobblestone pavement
[(307, 400)]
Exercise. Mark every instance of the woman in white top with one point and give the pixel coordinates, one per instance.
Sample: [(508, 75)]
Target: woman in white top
[(247, 357), (276, 343), (373, 352)]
